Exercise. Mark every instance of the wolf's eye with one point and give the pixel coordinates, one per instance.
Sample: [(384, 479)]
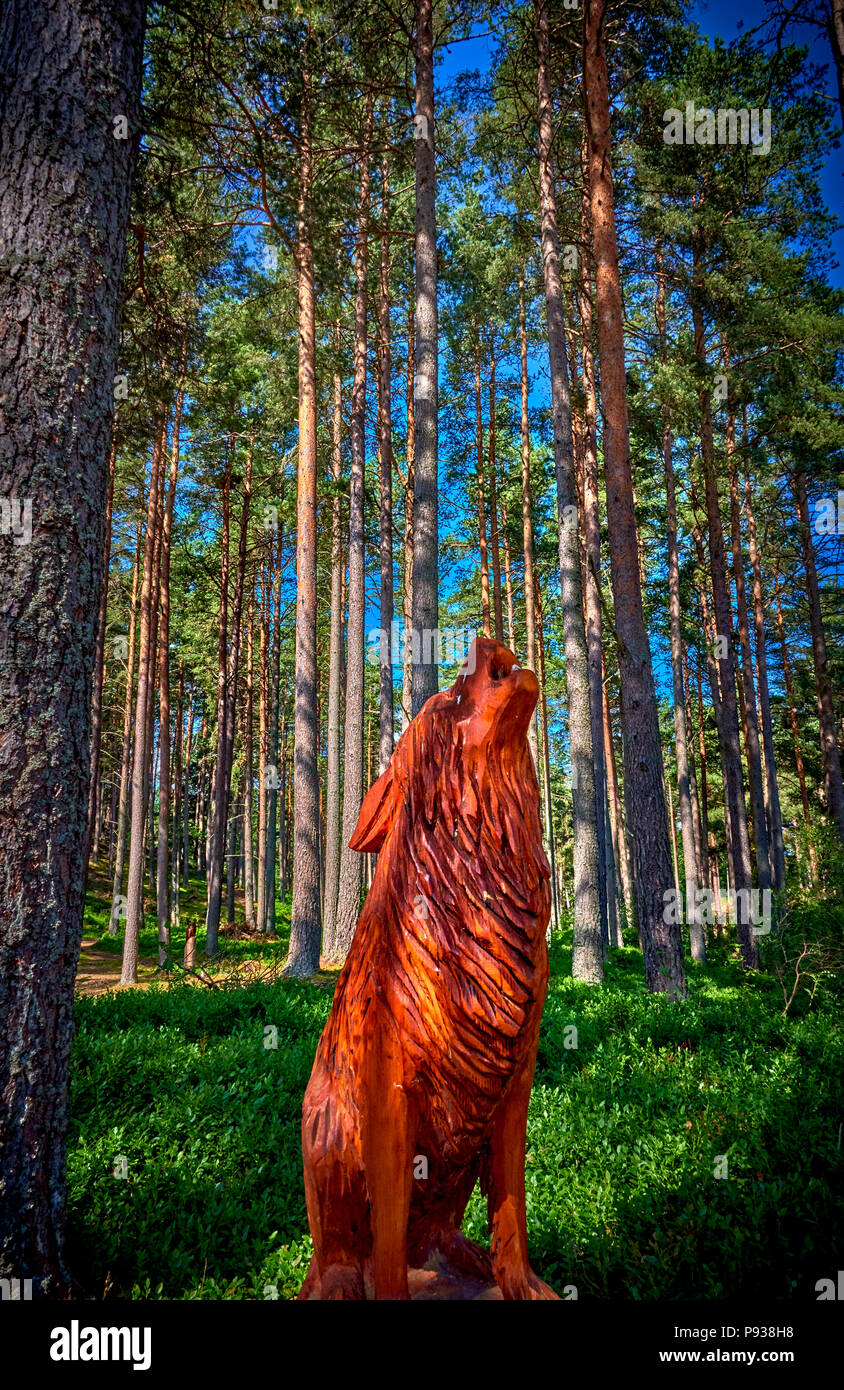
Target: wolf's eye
[(497, 671)]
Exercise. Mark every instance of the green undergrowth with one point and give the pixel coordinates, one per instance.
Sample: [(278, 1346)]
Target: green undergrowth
[(638, 1103)]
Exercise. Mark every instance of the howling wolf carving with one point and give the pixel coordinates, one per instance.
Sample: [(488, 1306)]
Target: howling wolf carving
[(430, 1049)]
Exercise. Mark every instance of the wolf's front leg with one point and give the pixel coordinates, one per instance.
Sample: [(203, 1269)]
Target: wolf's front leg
[(387, 1144), (506, 1193)]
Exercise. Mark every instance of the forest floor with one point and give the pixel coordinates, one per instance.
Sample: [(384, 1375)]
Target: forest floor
[(674, 1151)]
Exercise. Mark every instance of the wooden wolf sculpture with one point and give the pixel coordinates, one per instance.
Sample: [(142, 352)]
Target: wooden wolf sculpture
[(423, 1073)]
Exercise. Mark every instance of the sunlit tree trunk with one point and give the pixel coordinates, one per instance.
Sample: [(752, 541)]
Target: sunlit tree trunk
[(771, 779), (587, 954), (349, 888), (135, 887), (481, 482), (826, 712), (795, 731), (385, 483), (116, 911), (305, 924), (644, 795), (425, 508), (335, 668)]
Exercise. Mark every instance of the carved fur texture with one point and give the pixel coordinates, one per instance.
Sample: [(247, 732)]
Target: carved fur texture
[(423, 1073)]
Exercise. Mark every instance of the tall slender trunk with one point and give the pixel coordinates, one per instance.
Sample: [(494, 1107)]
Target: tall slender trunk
[(117, 910), (482, 538), (697, 936), (645, 799), (508, 579), (249, 769), (349, 888), (795, 731), (135, 888), (265, 600), (335, 669), (771, 780), (546, 761), (268, 925), (527, 510), (186, 792), (99, 659), (621, 851), (385, 483), (217, 817), (425, 510), (754, 752), (305, 925), (493, 507), (409, 486), (826, 712), (591, 527), (164, 788), (587, 953), (729, 728)]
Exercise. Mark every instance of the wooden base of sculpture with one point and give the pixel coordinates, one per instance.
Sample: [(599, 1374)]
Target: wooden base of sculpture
[(440, 1281), (422, 1077)]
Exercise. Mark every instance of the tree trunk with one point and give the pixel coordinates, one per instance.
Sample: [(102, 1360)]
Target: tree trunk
[(118, 908), (546, 762), (65, 184), (697, 936), (493, 507), (482, 539), (587, 953), (409, 486), (349, 889), (135, 887), (729, 724), (425, 513), (527, 511), (754, 752), (268, 924), (826, 712), (385, 484), (249, 770), (795, 732), (99, 663), (645, 799), (305, 926), (771, 780), (591, 527), (335, 670), (164, 790), (217, 817)]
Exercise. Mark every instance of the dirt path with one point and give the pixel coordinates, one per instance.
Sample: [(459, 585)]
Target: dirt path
[(99, 971)]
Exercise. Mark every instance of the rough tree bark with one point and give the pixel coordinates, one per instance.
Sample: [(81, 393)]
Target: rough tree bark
[(771, 779), (349, 887), (385, 482), (66, 73), (425, 677), (305, 925), (335, 666), (697, 936), (587, 955), (826, 712), (645, 798)]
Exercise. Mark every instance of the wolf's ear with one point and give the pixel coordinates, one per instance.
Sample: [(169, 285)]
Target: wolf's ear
[(377, 813)]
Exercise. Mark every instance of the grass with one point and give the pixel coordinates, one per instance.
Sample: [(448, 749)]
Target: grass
[(182, 1089)]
